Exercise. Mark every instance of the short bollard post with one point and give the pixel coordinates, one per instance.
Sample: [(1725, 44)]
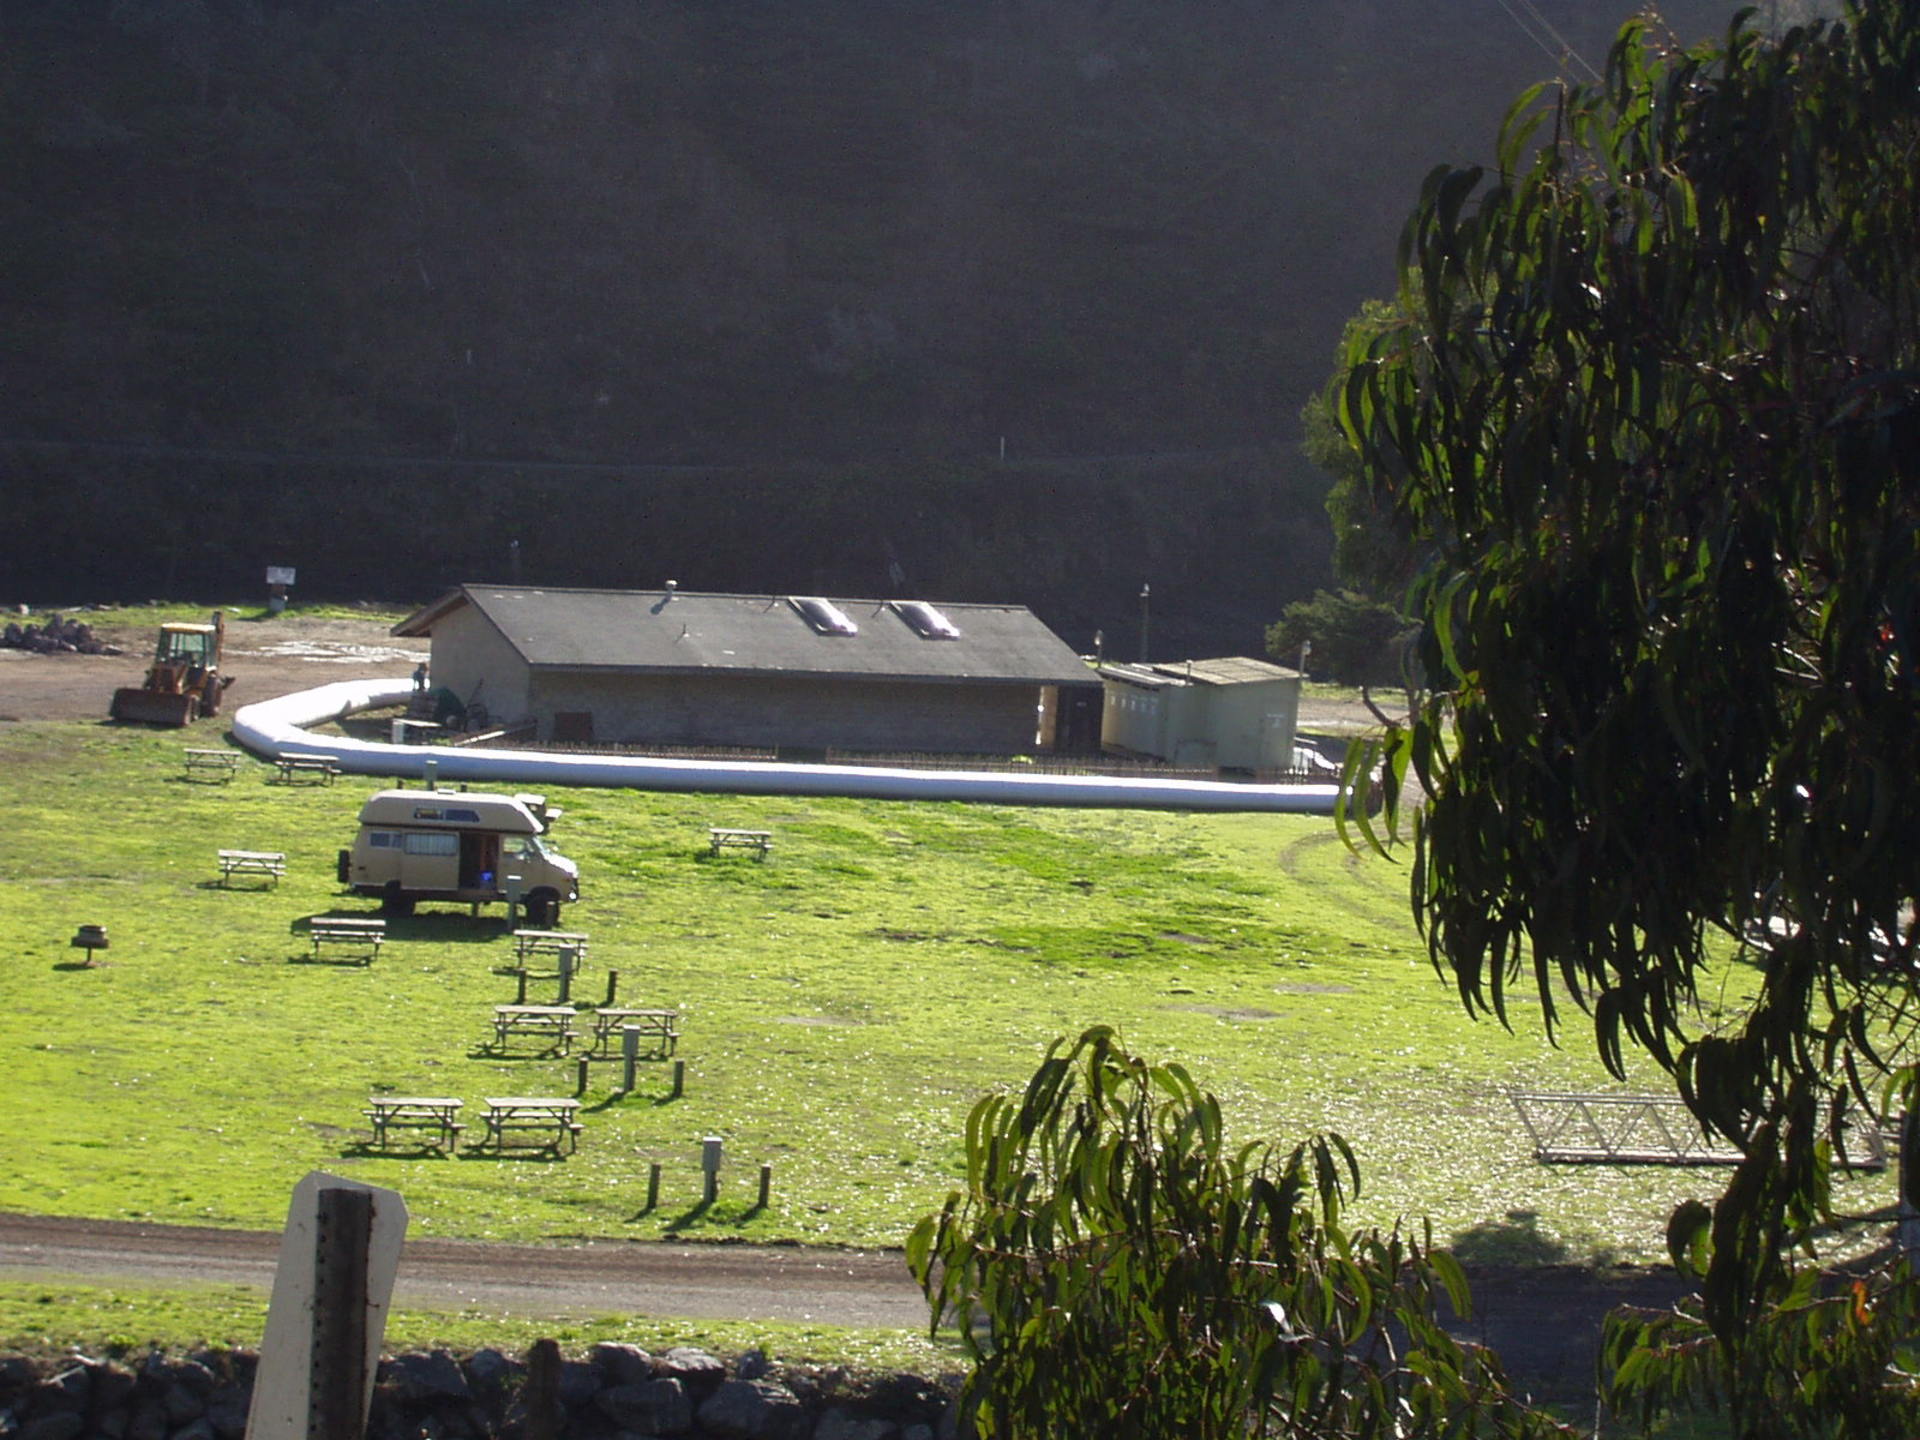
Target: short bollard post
[(580, 1077), (630, 1053), (766, 1186), (569, 959), (712, 1151), (613, 988), (653, 1186), (679, 1077)]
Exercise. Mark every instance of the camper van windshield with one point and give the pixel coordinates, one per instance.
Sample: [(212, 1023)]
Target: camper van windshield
[(530, 848)]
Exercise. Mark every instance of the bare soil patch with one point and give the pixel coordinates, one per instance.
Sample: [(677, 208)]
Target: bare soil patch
[(267, 658)]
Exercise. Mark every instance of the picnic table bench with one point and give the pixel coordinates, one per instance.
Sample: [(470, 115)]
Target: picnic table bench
[(293, 763), (549, 1119), (223, 764), (553, 1020), (270, 863), (659, 1030), (438, 1114), (720, 836), (364, 935)]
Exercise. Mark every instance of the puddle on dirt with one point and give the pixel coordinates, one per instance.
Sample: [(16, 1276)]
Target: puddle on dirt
[(338, 654)]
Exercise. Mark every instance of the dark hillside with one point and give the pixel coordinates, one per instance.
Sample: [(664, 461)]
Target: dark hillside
[(358, 282)]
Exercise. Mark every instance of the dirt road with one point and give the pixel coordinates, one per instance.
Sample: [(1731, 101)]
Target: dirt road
[(266, 657), (861, 1288), (1545, 1321)]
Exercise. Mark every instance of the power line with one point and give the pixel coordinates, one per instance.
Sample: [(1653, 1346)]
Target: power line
[(147, 450), (1564, 54)]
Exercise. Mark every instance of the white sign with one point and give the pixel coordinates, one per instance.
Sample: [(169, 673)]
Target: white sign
[(281, 1387), (280, 574)]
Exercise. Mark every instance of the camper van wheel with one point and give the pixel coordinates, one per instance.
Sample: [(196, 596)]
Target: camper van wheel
[(392, 902), (543, 910)]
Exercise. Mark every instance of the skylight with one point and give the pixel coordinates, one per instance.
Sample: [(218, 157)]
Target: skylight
[(927, 622), (824, 616)]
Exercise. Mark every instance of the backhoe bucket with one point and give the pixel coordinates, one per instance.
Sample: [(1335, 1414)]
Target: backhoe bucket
[(153, 708)]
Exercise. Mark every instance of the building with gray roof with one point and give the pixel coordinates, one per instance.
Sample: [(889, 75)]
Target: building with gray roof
[(793, 674)]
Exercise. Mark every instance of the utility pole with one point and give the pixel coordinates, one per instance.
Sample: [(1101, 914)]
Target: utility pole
[(1146, 592)]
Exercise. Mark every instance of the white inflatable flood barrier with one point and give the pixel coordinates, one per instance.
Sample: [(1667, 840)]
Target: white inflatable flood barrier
[(271, 727)]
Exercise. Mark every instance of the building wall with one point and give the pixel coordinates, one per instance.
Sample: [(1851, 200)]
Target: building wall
[(1245, 727), (1133, 718), (1252, 726), (765, 712), (466, 651)]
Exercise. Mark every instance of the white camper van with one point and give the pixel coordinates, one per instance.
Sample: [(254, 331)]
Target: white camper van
[(459, 845)]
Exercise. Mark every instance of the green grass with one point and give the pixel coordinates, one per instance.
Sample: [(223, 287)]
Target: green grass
[(844, 1004), (122, 620)]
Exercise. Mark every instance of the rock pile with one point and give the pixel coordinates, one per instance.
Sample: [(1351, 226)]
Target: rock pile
[(619, 1392), (56, 635)]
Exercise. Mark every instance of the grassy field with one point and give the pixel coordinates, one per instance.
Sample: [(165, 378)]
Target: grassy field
[(843, 1005)]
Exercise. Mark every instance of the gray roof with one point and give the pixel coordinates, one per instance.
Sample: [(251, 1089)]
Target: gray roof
[(1227, 670), (683, 632)]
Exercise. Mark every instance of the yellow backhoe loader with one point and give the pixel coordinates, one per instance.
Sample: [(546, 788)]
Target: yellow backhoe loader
[(184, 682)]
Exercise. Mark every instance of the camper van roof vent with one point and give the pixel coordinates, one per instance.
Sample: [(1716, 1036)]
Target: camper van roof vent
[(824, 616), (927, 622)]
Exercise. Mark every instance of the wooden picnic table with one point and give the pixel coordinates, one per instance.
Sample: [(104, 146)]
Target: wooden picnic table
[(528, 943), (270, 863), (719, 836), (539, 1116), (292, 763), (222, 764), (553, 1020), (438, 1114), (364, 935), (659, 1030)]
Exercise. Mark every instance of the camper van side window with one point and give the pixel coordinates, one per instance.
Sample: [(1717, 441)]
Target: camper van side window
[(383, 840), (431, 844)]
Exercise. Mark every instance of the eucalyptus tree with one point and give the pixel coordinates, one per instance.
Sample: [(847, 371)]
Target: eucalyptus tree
[(1117, 1266), (1653, 398)]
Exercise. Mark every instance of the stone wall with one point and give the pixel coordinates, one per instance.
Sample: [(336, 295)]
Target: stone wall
[(617, 1392)]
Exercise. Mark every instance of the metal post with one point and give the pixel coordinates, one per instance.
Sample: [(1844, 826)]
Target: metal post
[(1146, 592), (712, 1154), (569, 957), (613, 987), (337, 1379), (629, 1052)]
